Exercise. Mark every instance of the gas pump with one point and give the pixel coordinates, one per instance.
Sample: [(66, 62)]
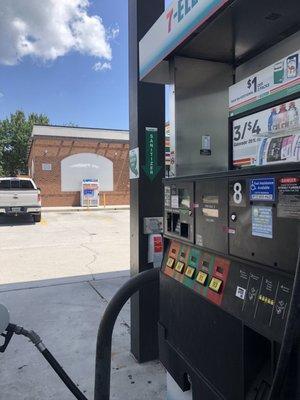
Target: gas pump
[(230, 273), (229, 323)]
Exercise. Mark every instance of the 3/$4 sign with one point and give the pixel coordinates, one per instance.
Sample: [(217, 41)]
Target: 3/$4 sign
[(268, 137), (271, 136), (179, 20)]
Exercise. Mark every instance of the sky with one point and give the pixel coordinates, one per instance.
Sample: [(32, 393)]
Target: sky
[(67, 59), (75, 70)]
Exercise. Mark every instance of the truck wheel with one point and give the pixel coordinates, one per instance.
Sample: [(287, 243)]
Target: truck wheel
[(37, 217)]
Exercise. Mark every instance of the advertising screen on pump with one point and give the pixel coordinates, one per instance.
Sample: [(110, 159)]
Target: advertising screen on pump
[(270, 84), (269, 137)]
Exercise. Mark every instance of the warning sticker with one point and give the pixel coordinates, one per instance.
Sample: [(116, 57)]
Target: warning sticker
[(262, 222), (167, 196), (240, 293), (175, 201), (199, 240), (289, 198), (210, 206)]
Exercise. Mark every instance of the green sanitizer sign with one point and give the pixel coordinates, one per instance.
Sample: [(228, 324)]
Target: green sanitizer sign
[(151, 167)]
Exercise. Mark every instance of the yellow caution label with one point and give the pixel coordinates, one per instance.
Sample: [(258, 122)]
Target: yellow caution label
[(170, 262), (215, 285), (202, 278), (179, 267), (190, 271)]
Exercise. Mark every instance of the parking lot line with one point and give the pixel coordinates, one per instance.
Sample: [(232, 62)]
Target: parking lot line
[(44, 222)]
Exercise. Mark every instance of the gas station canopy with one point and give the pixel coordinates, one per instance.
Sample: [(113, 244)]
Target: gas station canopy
[(227, 31)]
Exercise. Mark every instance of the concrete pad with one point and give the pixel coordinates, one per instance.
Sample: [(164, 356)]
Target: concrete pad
[(67, 318), (64, 245)]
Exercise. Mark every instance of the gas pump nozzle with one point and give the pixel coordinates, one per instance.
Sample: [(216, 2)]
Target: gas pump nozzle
[(4, 324), (4, 319)]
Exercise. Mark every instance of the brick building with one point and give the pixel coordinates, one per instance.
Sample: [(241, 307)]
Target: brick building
[(61, 157)]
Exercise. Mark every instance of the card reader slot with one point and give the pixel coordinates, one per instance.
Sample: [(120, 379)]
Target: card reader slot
[(184, 230)]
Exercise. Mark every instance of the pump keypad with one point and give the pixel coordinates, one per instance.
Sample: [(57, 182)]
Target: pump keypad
[(261, 300), (198, 270)]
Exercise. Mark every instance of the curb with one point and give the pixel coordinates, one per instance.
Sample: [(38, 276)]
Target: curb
[(11, 287), (84, 209)]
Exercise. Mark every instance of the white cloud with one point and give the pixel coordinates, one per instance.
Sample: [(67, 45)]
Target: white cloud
[(1, 95), (113, 32), (49, 29), (99, 66)]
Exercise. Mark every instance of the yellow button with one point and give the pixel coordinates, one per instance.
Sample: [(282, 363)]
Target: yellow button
[(260, 297), (170, 262), (179, 267), (190, 272), (215, 284), (201, 278)]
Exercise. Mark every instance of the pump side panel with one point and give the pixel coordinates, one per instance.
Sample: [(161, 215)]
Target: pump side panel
[(205, 336), (201, 110), (265, 219), (212, 214)]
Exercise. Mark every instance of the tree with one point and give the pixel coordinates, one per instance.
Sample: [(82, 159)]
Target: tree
[(15, 133)]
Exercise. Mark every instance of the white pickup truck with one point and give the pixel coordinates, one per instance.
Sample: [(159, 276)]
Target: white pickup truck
[(19, 196)]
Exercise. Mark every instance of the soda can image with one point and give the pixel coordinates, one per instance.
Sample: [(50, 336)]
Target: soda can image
[(292, 64), (279, 72)]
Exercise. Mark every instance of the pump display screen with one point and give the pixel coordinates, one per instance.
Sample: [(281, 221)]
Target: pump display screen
[(269, 137)]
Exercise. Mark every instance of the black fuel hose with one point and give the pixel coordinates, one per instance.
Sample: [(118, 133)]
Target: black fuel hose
[(63, 376), (37, 341), (291, 335), (103, 353), (104, 340)]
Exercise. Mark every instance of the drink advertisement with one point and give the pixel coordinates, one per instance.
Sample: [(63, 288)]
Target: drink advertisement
[(270, 84), (269, 137)]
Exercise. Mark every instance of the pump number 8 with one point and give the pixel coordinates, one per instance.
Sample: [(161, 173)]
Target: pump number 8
[(238, 195)]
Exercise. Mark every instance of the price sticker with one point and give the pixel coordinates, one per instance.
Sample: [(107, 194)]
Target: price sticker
[(241, 130)]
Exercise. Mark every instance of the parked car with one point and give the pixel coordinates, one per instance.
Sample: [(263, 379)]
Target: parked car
[(19, 196)]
